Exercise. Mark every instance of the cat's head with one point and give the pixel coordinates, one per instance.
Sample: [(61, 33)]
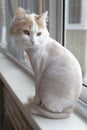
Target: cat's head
[(29, 29)]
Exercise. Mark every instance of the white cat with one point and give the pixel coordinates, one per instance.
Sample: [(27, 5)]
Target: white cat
[(58, 74)]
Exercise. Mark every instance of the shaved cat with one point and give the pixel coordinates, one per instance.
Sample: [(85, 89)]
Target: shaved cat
[(58, 74)]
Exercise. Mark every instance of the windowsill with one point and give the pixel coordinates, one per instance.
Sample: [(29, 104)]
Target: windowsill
[(21, 84), (77, 26)]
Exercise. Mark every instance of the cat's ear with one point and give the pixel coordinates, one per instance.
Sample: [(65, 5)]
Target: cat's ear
[(43, 17), (20, 14)]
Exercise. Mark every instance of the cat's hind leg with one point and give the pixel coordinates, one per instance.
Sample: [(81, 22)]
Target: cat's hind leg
[(41, 111), (61, 105)]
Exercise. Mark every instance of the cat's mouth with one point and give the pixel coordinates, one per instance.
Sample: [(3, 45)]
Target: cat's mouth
[(31, 44), (28, 44)]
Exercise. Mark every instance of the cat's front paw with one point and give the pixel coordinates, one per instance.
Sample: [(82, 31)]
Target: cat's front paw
[(36, 99), (31, 100)]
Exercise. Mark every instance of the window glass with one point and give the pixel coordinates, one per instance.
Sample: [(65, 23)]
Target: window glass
[(7, 11), (74, 11)]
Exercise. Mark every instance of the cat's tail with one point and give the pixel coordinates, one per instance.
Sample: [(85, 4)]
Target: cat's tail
[(38, 110)]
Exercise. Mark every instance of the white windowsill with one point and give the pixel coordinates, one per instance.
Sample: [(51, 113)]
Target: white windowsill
[(22, 85), (79, 26)]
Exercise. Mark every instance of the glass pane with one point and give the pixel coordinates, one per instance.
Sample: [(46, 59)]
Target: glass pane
[(76, 32), (74, 11), (7, 11)]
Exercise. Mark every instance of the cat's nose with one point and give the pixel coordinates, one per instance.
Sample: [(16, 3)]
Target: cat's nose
[(32, 41)]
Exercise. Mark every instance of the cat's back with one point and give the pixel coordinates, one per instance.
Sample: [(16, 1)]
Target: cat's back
[(61, 65), (60, 55), (61, 60), (62, 72)]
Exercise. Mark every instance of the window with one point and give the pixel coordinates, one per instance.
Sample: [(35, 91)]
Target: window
[(74, 11), (74, 23)]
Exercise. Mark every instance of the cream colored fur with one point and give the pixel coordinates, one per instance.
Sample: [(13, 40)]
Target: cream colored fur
[(58, 74)]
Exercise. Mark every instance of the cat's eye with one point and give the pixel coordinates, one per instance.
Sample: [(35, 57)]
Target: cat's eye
[(26, 32), (39, 33)]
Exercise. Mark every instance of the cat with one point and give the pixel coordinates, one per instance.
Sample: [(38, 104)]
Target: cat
[(58, 76)]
